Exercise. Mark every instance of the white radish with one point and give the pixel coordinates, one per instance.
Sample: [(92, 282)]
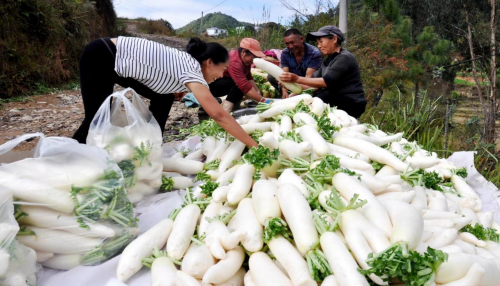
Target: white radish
[(227, 176), (472, 278), (225, 268), (248, 280), (268, 140), (275, 110), (232, 153), (236, 280), (317, 106), (212, 210), (186, 279), (197, 260), (459, 264), (372, 151), (245, 220), (264, 201), (164, 273), (131, 259), (195, 155), (286, 124), (40, 257), (311, 135), (330, 280), (293, 262), (208, 146), (398, 196), (63, 261), (348, 186), (221, 146), (290, 149), (182, 166), (241, 185), (306, 119), (298, 215), (276, 71), (341, 261), (373, 184), (289, 176), (219, 239), (265, 272), (250, 128), (58, 241), (47, 218), (182, 231), (181, 182), (465, 190), (407, 223), (220, 194)]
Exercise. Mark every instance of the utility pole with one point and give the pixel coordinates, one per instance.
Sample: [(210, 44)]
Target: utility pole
[(201, 27), (343, 17)]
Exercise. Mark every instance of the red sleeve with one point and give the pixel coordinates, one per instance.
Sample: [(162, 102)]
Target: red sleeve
[(238, 74), (250, 76)]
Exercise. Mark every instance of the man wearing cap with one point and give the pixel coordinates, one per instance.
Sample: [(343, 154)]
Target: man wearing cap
[(338, 80), (299, 58), (237, 79)]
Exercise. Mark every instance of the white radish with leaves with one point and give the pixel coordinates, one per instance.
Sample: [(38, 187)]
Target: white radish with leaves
[(131, 259), (298, 214), (212, 210), (264, 201), (265, 272), (407, 223), (232, 153), (197, 260), (183, 229), (290, 149), (182, 166), (311, 135), (245, 220), (225, 268), (242, 183), (276, 71), (289, 176)]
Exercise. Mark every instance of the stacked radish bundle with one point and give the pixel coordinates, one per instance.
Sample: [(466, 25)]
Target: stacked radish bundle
[(71, 203), (322, 199)]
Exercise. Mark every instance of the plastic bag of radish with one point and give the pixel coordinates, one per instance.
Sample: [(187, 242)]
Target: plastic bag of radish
[(17, 262), (322, 200), (71, 202), (131, 135)]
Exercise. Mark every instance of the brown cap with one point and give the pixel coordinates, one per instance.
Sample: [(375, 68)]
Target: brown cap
[(253, 46)]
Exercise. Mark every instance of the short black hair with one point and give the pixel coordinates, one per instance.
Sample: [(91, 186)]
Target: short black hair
[(292, 31)]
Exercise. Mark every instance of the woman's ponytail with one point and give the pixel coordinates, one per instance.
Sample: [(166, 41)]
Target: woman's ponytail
[(202, 51)]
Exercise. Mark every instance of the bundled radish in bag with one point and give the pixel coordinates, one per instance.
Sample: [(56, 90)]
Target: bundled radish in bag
[(131, 135), (71, 202), (17, 262)]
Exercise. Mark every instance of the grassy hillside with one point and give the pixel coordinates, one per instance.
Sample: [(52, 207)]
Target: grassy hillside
[(41, 40), (217, 19)]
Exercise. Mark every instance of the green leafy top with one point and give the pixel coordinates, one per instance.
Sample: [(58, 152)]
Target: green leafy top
[(203, 176), (257, 134), (205, 129), (481, 232), (326, 129), (148, 261), (418, 177), (462, 172), (225, 218), (275, 227), (301, 107), (260, 157), (291, 135), (208, 188), (167, 184), (410, 267), (309, 91), (184, 151), (213, 165), (141, 153), (128, 170)]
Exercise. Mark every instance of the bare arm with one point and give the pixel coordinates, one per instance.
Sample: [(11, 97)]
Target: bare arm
[(284, 91), (215, 111), (310, 72), (254, 93), (318, 82)]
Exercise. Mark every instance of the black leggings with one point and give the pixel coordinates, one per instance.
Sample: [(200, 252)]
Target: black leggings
[(226, 86), (97, 79)]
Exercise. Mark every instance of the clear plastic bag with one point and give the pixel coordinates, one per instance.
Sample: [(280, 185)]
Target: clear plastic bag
[(71, 202), (17, 262), (131, 135)]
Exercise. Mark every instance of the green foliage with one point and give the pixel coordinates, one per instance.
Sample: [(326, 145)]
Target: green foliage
[(481, 232), (42, 40), (409, 267), (217, 19), (157, 27)]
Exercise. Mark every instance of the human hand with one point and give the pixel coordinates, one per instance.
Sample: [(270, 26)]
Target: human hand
[(284, 93), (289, 77), (179, 95)]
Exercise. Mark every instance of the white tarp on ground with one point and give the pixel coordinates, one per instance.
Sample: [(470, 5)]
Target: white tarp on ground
[(159, 206)]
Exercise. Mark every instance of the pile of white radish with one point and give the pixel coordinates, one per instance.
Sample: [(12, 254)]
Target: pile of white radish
[(139, 159), (342, 204), (17, 262), (71, 204)]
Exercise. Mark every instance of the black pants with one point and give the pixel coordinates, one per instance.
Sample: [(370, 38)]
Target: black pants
[(226, 86), (97, 79)]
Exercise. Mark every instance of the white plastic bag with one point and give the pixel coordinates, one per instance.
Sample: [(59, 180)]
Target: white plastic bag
[(131, 135), (17, 262), (73, 207)]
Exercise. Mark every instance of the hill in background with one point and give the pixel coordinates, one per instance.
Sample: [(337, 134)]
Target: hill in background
[(217, 19)]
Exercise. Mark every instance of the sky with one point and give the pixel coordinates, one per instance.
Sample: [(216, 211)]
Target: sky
[(181, 12)]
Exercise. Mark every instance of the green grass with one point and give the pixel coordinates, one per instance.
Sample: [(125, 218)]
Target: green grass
[(464, 82)]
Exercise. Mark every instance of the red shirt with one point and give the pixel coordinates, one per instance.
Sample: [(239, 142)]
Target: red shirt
[(239, 72)]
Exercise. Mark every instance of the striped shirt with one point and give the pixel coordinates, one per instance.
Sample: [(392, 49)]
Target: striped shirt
[(163, 69)]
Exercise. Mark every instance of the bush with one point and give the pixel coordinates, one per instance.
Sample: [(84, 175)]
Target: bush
[(158, 27), (42, 40)]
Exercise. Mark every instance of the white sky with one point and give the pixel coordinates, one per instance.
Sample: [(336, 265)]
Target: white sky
[(181, 12)]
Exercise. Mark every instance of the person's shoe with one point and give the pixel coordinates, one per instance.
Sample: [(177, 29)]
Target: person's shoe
[(228, 106)]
